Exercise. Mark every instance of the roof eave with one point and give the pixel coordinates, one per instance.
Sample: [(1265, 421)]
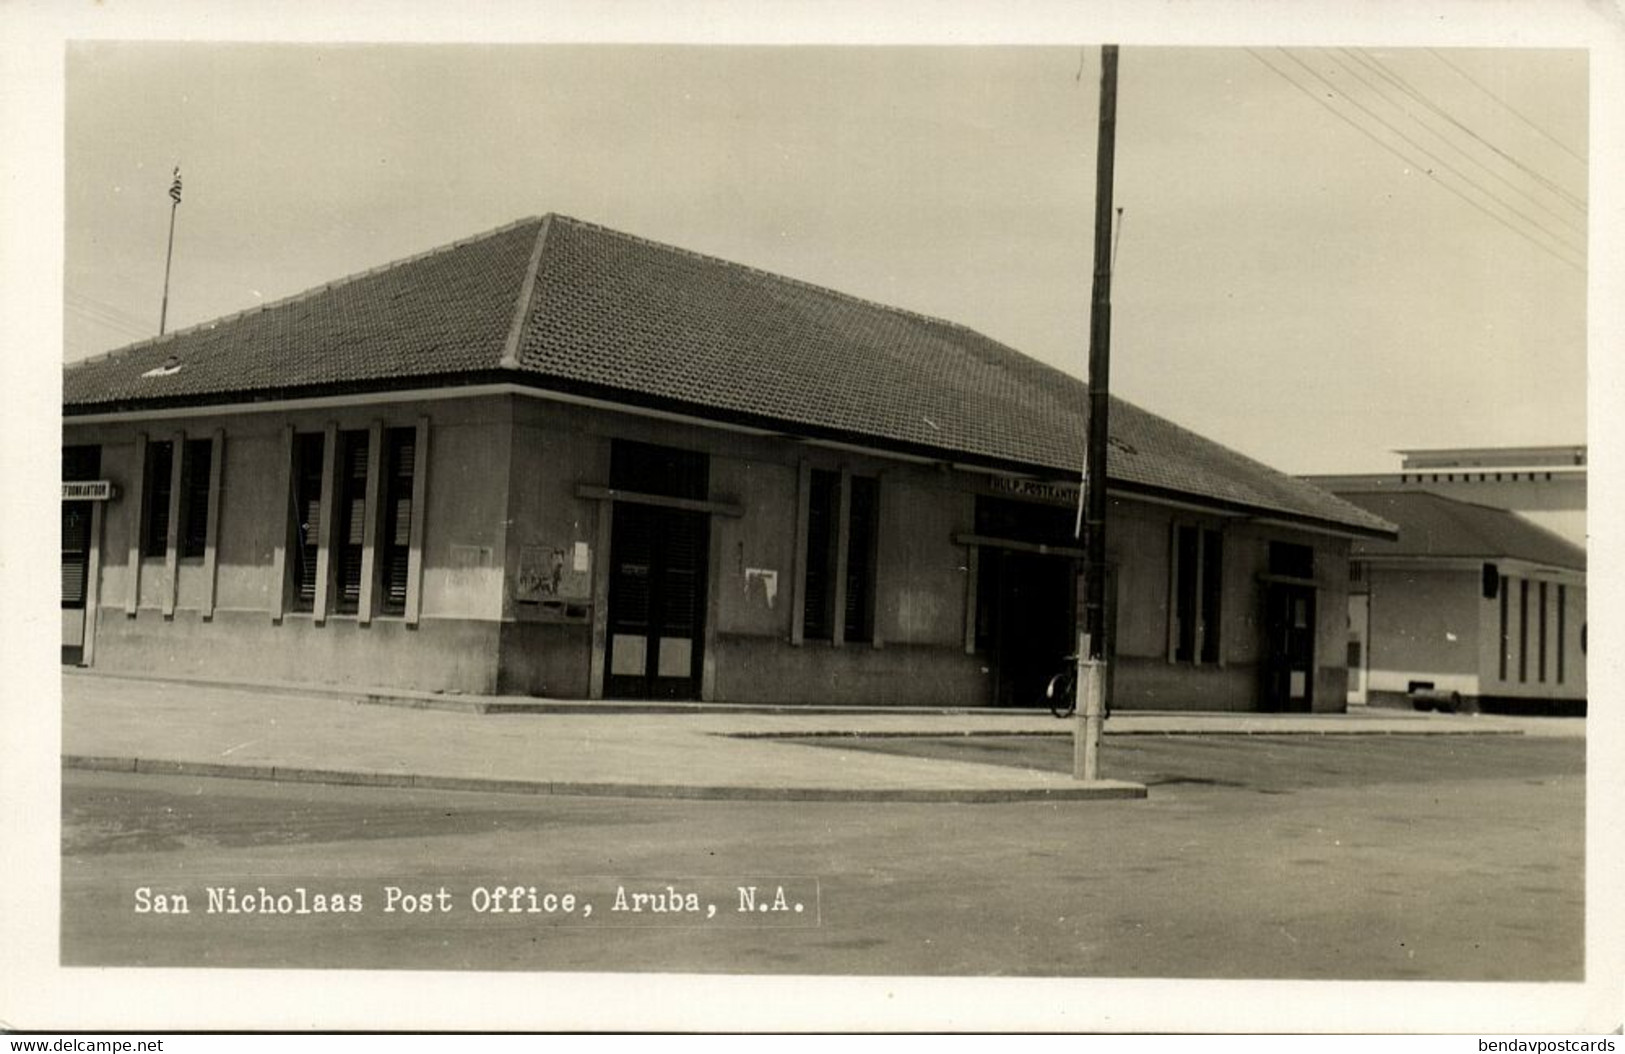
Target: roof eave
[(224, 401)]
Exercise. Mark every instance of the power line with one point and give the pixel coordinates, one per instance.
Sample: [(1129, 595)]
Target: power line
[(107, 312), (1441, 162), (1388, 147), (1508, 107), (1525, 194), (108, 323), (1376, 64), (111, 310)]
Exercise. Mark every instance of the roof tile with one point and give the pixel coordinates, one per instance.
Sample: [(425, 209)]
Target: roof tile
[(648, 322), (1432, 525)]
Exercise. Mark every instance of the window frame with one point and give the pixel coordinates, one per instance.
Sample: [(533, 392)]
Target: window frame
[(342, 475), (847, 564), (156, 498), (399, 461), (862, 508), (192, 535), (305, 538), (1196, 575), (821, 555), (347, 557)]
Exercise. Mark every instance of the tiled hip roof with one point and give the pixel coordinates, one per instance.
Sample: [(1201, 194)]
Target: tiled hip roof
[(630, 319)]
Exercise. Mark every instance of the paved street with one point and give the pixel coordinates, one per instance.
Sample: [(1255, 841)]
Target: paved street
[(1316, 857)]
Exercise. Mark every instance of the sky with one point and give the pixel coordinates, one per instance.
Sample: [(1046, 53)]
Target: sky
[(1284, 282)]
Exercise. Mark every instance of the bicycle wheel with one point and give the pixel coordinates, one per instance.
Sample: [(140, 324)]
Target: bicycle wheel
[(1061, 693)]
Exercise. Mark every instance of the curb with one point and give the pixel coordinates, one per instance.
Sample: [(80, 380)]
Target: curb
[(1097, 791), (513, 706), (977, 733)]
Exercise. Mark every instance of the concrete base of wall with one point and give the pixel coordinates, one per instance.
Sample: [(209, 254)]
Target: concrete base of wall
[(448, 654), (552, 660), (1155, 684), (769, 670)]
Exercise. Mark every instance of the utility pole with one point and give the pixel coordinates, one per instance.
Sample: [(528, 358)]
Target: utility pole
[(175, 203), (1091, 709)]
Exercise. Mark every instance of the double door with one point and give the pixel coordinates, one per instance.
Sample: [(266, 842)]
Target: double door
[(657, 591)]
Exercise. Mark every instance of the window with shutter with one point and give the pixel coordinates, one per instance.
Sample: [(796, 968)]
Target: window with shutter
[(155, 517), (400, 455), (307, 514), (349, 538), (195, 469)]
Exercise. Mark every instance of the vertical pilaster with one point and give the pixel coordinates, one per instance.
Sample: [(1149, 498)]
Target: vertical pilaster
[(843, 546), (420, 502), (211, 537), (600, 601), (177, 464), (324, 530), (369, 531), (93, 585), (138, 493), (973, 560), (277, 588), (798, 577)]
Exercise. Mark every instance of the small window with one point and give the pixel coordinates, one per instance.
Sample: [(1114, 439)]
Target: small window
[(155, 515), (81, 464), (400, 459), (195, 471), (307, 516), (649, 469), (1291, 560)]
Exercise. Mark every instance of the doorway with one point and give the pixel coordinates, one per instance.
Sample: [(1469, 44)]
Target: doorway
[(656, 602), (1289, 661), (1026, 621), (76, 537), (79, 464)]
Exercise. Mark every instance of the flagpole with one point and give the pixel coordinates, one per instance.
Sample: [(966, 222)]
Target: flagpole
[(169, 253)]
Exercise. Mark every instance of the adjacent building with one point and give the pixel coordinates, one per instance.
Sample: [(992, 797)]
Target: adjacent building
[(1471, 606), (1546, 485), (559, 460)]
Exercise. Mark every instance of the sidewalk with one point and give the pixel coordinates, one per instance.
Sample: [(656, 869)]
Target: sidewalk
[(299, 733)]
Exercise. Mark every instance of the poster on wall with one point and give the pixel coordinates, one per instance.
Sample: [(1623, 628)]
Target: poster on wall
[(553, 573)]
